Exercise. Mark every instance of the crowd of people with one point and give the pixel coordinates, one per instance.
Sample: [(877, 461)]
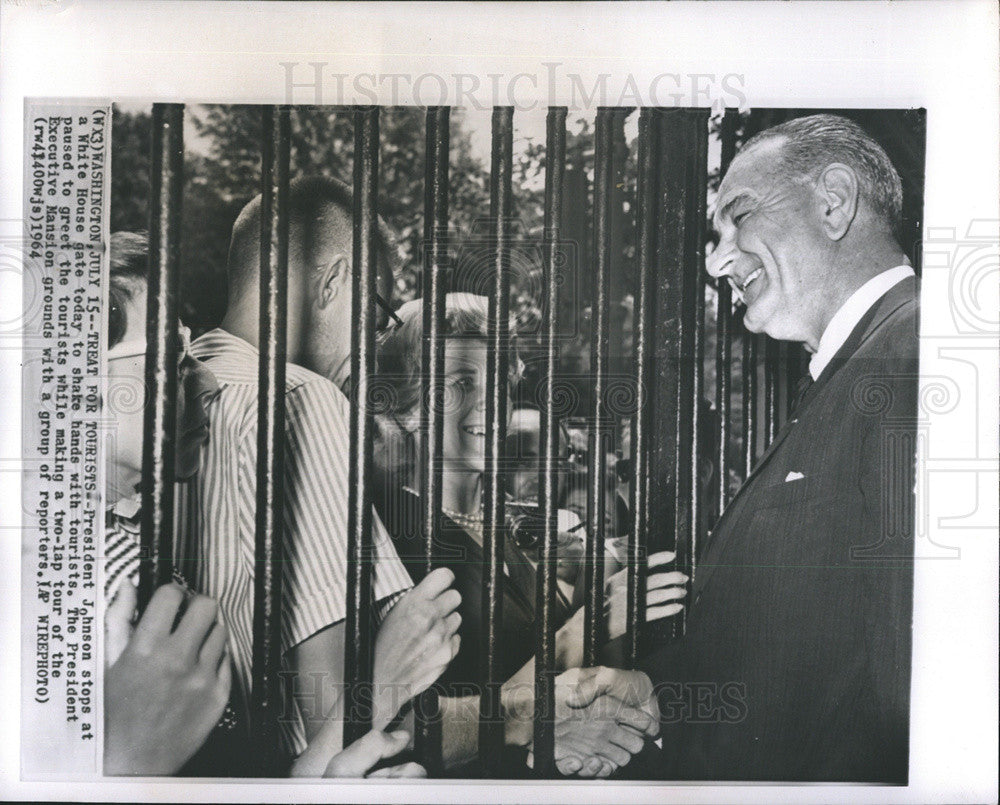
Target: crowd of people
[(806, 217)]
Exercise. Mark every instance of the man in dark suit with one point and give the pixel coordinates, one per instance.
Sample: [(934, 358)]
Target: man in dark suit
[(796, 661)]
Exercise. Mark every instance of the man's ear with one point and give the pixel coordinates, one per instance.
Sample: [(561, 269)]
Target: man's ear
[(837, 186), (328, 279)]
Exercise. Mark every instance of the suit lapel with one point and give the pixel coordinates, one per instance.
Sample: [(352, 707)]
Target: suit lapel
[(891, 301), (704, 572), (894, 298)]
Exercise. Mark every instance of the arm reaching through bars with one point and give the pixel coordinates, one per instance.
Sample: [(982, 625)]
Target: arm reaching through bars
[(358, 759), (603, 717), (168, 686), (414, 645), (362, 755)]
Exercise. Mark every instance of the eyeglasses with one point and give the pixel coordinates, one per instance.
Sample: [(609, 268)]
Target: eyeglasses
[(388, 311), (135, 347)]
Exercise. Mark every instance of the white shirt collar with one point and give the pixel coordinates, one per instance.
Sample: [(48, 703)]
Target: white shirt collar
[(850, 313)]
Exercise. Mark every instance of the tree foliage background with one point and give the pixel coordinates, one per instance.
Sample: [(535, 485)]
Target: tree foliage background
[(222, 173)]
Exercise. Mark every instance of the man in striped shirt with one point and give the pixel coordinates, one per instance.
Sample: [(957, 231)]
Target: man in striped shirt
[(218, 511)]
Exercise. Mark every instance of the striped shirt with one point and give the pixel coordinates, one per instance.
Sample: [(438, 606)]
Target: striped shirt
[(121, 545), (216, 512)]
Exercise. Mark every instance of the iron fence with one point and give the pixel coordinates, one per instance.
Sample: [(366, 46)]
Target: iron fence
[(667, 386)]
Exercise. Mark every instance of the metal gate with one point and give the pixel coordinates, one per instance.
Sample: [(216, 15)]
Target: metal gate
[(669, 345)]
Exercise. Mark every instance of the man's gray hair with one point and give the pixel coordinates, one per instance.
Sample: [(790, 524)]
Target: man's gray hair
[(809, 144)]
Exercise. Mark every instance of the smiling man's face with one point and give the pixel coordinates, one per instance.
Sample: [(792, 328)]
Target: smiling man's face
[(771, 246)]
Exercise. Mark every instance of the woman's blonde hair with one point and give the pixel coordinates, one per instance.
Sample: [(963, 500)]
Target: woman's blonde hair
[(395, 394), (400, 348)]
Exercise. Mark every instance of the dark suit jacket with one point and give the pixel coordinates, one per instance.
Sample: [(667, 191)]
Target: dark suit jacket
[(796, 661)]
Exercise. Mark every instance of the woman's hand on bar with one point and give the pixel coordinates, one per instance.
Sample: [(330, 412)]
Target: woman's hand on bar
[(570, 553), (415, 643), (664, 591), (168, 688)]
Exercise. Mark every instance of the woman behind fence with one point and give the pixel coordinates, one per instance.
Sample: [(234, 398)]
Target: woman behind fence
[(595, 746), (168, 676)]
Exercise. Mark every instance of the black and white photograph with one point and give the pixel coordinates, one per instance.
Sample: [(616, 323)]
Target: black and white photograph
[(487, 433), (551, 499)]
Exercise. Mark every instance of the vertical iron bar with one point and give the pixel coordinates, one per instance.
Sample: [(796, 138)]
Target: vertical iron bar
[(696, 279), (545, 601), (672, 477), (724, 341), (723, 390), (604, 179), (617, 223), (167, 183), (265, 700), (435, 284), (749, 401), (491, 735), (762, 424), (772, 362), (574, 230), (358, 653), (646, 198)]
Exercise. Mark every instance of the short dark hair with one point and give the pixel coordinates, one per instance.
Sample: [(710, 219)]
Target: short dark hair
[(129, 271), (309, 197), (809, 144)]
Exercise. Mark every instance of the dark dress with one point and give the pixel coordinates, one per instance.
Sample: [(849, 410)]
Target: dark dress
[(459, 552)]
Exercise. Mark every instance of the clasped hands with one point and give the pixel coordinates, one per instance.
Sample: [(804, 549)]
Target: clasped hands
[(603, 717)]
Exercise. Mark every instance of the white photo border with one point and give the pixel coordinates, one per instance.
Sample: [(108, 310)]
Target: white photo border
[(942, 56)]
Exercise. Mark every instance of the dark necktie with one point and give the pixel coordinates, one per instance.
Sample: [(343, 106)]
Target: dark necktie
[(800, 390)]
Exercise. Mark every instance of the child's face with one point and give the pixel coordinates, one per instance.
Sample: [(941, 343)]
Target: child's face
[(524, 449), (127, 400), (196, 388)]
